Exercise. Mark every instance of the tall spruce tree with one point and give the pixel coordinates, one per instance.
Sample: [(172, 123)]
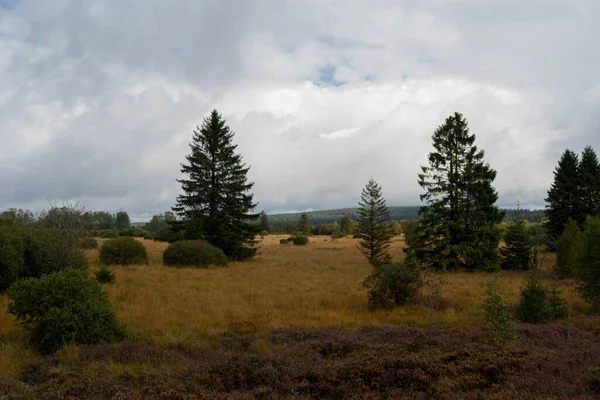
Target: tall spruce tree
[(517, 252), (459, 218), (216, 205), (373, 218), (304, 224), (563, 197), (589, 185)]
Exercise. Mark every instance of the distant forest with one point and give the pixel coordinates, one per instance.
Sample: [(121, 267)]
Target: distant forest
[(397, 213)]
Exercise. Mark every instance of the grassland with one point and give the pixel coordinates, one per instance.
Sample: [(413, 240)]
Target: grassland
[(312, 288)]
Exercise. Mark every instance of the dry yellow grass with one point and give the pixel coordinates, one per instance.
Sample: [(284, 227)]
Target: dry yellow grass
[(285, 286)]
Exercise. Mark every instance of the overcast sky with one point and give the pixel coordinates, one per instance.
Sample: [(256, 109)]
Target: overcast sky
[(98, 99)]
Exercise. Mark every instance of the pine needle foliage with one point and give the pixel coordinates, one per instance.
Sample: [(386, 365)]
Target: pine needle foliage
[(373, 218)]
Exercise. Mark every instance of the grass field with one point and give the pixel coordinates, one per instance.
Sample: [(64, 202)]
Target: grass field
[(296, 287)]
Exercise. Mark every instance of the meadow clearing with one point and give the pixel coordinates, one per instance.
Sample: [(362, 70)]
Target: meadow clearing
[(311, 287)]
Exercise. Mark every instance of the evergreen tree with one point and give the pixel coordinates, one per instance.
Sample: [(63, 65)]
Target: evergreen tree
[(517, 252), (373, 218), (304, 225), (569, 248), (589, 185), (122, 220), (588, 272), (563, 202), (215, 205), (263, 222), (346, 225), (459, 218)]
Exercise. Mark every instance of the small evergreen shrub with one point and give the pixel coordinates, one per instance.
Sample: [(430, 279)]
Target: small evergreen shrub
[(557, 304), (588, 273), (123, 251), (110, 235), (283, 241), (104, 275), (167, 235), (534, 306), (88, 243), (569, 249), (148, 236), (291, 239), (11, 255), (62, 307), (193, 253), (300, 240), (393, 284), (495, 313)]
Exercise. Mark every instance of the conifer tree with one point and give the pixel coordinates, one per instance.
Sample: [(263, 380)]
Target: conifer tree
[(263, 223), (216, 205), (304, 225), (373, 218), (563, 197), (459, 218), (517, 252), (589, 185)]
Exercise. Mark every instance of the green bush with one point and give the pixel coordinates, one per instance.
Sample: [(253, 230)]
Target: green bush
[(290, 239), (338, 235), (12, 246), (534, 307), (557, 304), (110, 235), (495, 313), (283, 241), (193, 253), (88, 243), (48, 250), (393, 284), (569, 249), (63, 307), (300, 240), (104, 275), (123, 251), (167, 235), (148, 236), (357, 236)]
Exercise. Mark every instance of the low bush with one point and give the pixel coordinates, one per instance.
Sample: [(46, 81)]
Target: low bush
[(63, 307), (167, 235), (534, 308), (338, 235), (88, 243), (356, 236), (283, 241), (290, 239), (588, 273), (110, 235), (495, 313), (393, 284), (11, 255), (104, 275), (123, 251), (193, 253), (148, 236), (300, 240)]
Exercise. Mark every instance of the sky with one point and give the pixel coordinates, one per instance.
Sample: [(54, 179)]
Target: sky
[(99, 99)]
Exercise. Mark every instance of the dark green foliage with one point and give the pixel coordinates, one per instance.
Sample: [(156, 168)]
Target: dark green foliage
[(300, 240), (592, 377), (290, 239), (534, 306), (495, 313), (346, 225), (88, 243), (104, 275), (49, 250), (12, 246), (167, 235), (373, 218), (99, 220), (110, 235), (133, 232), (557, 303), (357, 236), (304, 225), (63, 307), (569, 249), (338, 235), (122, 221), (458, 221), (393, 284), (193, 253), (148, 236), (17, 217), (517, 253), (589, 185), (159, 222), (263, 223), (588, 273), (283, 241), (123, 251), (215, 205)]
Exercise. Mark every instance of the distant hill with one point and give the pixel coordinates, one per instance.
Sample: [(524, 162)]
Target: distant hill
[(397, 213)]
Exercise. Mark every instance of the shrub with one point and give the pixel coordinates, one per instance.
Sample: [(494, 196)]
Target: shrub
[(283, 241), (557, 304), (393, 284), (11, 255), (356, 236), (110, 234), (589, 268), (300, 240), (88, 243), (495, 313), (290, 239), (338, 235), (123, 251), (104, 275), (534, 306), (568, 250), (167, 235), (48, 250), (592, 378), (148, 236), (62, 307), (193, 253)]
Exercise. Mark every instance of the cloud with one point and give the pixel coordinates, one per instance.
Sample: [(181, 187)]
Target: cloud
[(98, 100)]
